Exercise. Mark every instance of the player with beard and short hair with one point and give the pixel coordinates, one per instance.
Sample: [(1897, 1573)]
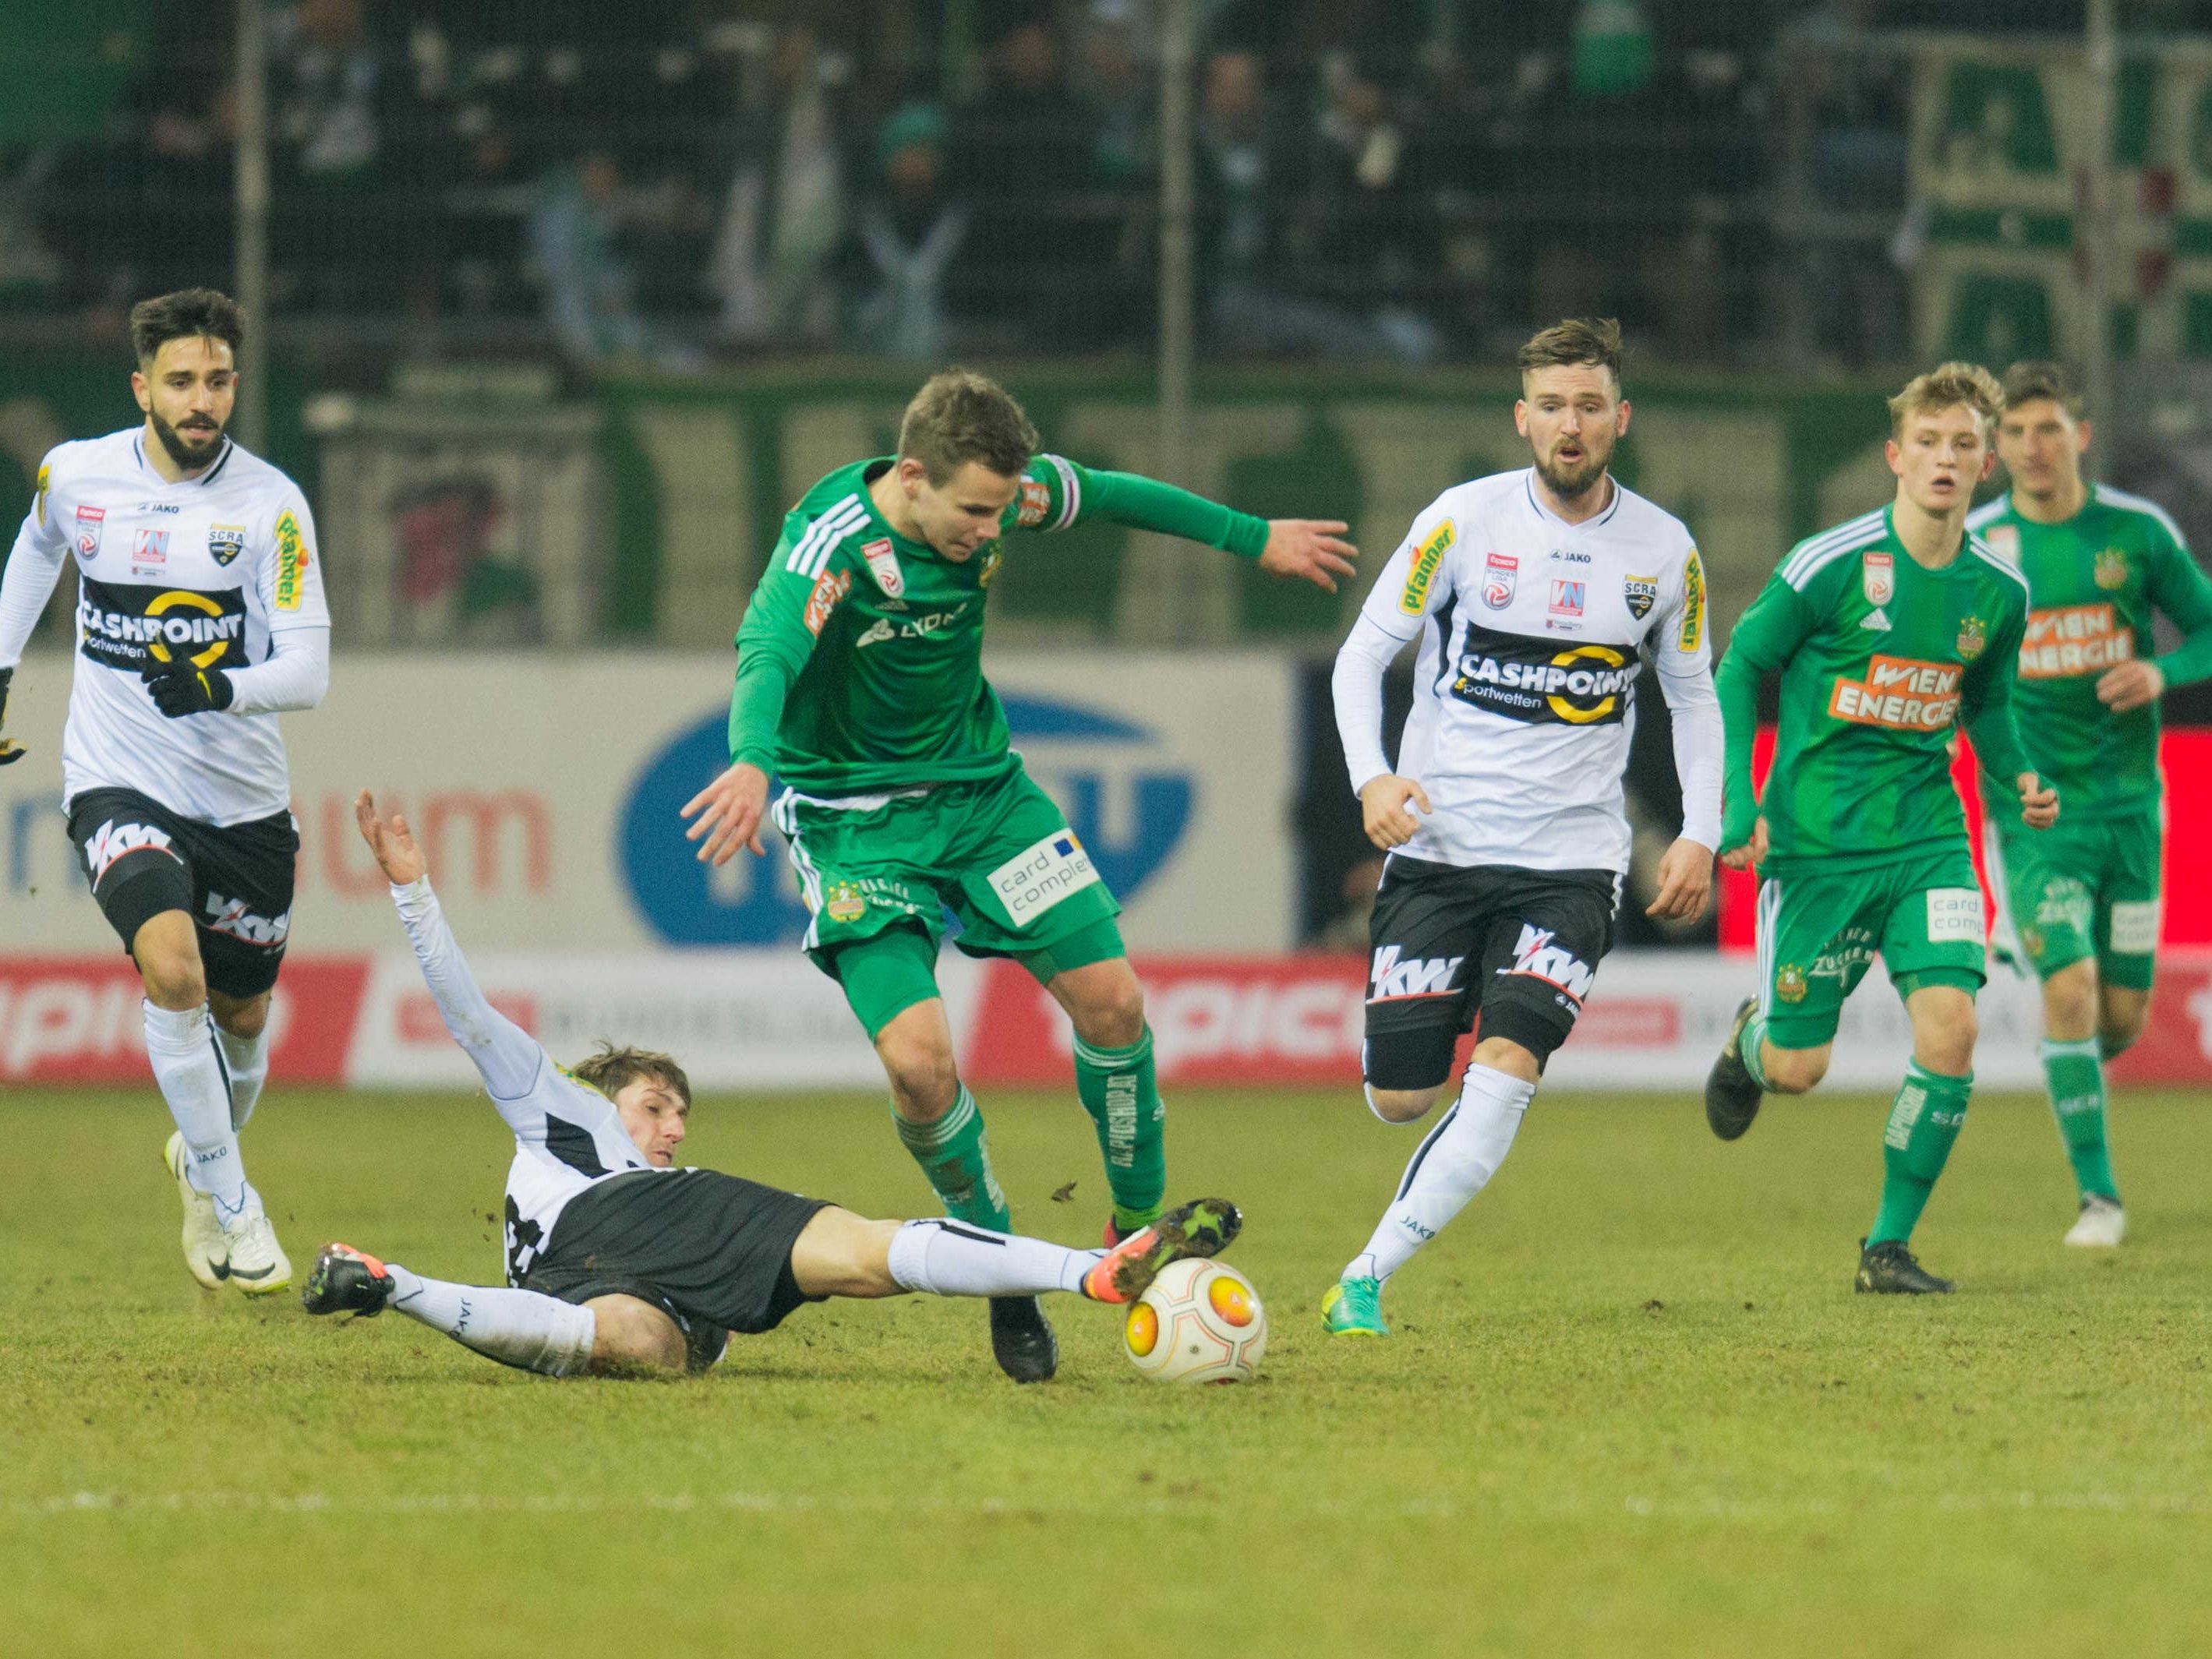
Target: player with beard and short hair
[(618, 1260), (2079, 902), (1890, 633), (1533, 595), (200, 619)]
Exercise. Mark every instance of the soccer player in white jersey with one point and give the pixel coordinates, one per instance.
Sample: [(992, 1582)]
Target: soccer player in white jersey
[(200, 619), (1533, 595), (618, 1261)]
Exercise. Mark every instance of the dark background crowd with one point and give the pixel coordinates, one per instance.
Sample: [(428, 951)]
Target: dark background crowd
[(682, 181)]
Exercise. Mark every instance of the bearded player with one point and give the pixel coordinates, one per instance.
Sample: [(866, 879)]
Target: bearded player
[(200, 619), (618, 1261), (1533, 595), (2082, 900), (860, 682), (1888, 632)]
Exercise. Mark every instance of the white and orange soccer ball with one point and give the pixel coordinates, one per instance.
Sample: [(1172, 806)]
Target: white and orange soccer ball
[(1198, 1322)]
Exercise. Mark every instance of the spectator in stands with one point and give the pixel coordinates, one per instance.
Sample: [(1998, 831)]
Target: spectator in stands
[(331, 93), (783, 214), (1022, 154), (905, 238), (1369, 234), (590, 290)]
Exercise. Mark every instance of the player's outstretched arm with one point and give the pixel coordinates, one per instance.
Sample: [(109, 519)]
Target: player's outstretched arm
[(508, 1058), (34, 564), (1308, 550), (1683, 653), (2179, 589), (1767, 636)]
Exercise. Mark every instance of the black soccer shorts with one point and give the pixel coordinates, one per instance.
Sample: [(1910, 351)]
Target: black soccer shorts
[(1519, 948), (711, 1250), (236, 884)]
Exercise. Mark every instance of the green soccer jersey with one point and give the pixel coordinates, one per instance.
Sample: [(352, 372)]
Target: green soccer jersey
[(2093, 582), (1880, 659), (861, 657)]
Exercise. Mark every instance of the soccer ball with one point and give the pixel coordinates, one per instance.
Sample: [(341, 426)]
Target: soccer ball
[(1198, 1322)]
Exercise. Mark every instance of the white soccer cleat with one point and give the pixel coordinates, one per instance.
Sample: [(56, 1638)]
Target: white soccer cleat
[(258, 1263), (2102, 1226), (207, 1252)]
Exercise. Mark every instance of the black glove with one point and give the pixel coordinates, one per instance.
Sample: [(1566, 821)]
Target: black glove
[(8, 751), (178, 689)]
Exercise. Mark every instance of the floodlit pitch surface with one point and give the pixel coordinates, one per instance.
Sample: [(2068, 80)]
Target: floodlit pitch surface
[(1631, 1407)]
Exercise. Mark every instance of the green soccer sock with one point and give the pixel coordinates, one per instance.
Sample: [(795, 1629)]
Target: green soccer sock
[(2077, 1077), (1748, 1046), (1119, 1089), (956, 1158), (1924, 1122)]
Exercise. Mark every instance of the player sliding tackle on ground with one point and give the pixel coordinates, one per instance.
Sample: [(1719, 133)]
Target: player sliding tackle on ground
[(1533, 594), (618, 1262), (2080, 902), (860, 682), (1889, 632)]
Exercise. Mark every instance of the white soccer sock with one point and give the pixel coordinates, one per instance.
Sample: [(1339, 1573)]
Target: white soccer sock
[(524, 1328), (1457, 1158), (248, 1060), (951, 1258), (190, 1069)]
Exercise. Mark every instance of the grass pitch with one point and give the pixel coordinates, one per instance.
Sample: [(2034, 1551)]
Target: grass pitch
[(1632, 1408)]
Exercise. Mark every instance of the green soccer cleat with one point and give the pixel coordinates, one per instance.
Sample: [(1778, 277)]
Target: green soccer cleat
[(1888, 1269), (1354, 1308), (1732, 1099), (1204, 1227)]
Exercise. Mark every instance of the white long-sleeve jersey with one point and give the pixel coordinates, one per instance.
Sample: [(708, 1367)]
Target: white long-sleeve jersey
[(567, 1135), (1532, 634), (220, 570)]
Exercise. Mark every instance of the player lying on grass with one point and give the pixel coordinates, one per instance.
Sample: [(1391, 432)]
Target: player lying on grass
[(618, 1261)]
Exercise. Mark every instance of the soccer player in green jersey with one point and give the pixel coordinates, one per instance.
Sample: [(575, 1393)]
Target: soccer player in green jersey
[(2081, 903), (860, 682), (1888, 632)]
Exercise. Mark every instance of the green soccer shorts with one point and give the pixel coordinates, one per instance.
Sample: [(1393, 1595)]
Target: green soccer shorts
[(998, 853), (1820, 928), (2085, 889)]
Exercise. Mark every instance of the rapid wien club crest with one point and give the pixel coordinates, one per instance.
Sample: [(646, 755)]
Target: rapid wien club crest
[(1972, 636), (844, 903), (1789, 983), (2111, 568), (1878, 577)]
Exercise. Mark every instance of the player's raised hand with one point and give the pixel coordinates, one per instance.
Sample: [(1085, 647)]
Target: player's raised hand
[(1385, 810), (730, 809), (1686, 882), (2131, 685), (390, 840), (1752, 852), (1311, 548), (9, 750), (2039, 802)]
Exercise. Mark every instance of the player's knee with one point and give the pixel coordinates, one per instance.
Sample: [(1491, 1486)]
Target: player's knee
[(1943, 1040), (245, 1019), (840, 1253), (2120, 1024), (1794, 1070), (631, 1337), (1402, 1105), (2069, 1003), (924, 1077), (168, 959), (1514, 1058), (1112, 1014)]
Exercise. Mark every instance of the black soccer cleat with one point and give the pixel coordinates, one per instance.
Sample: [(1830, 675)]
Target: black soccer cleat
[(1732, 1099), (1888, 1269), (1022, 1340), (345, 1280)]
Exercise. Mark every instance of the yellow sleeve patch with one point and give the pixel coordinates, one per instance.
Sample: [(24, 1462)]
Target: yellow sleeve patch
[(45, 483), (1692, 632), (292, 560), (1423, 572)]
